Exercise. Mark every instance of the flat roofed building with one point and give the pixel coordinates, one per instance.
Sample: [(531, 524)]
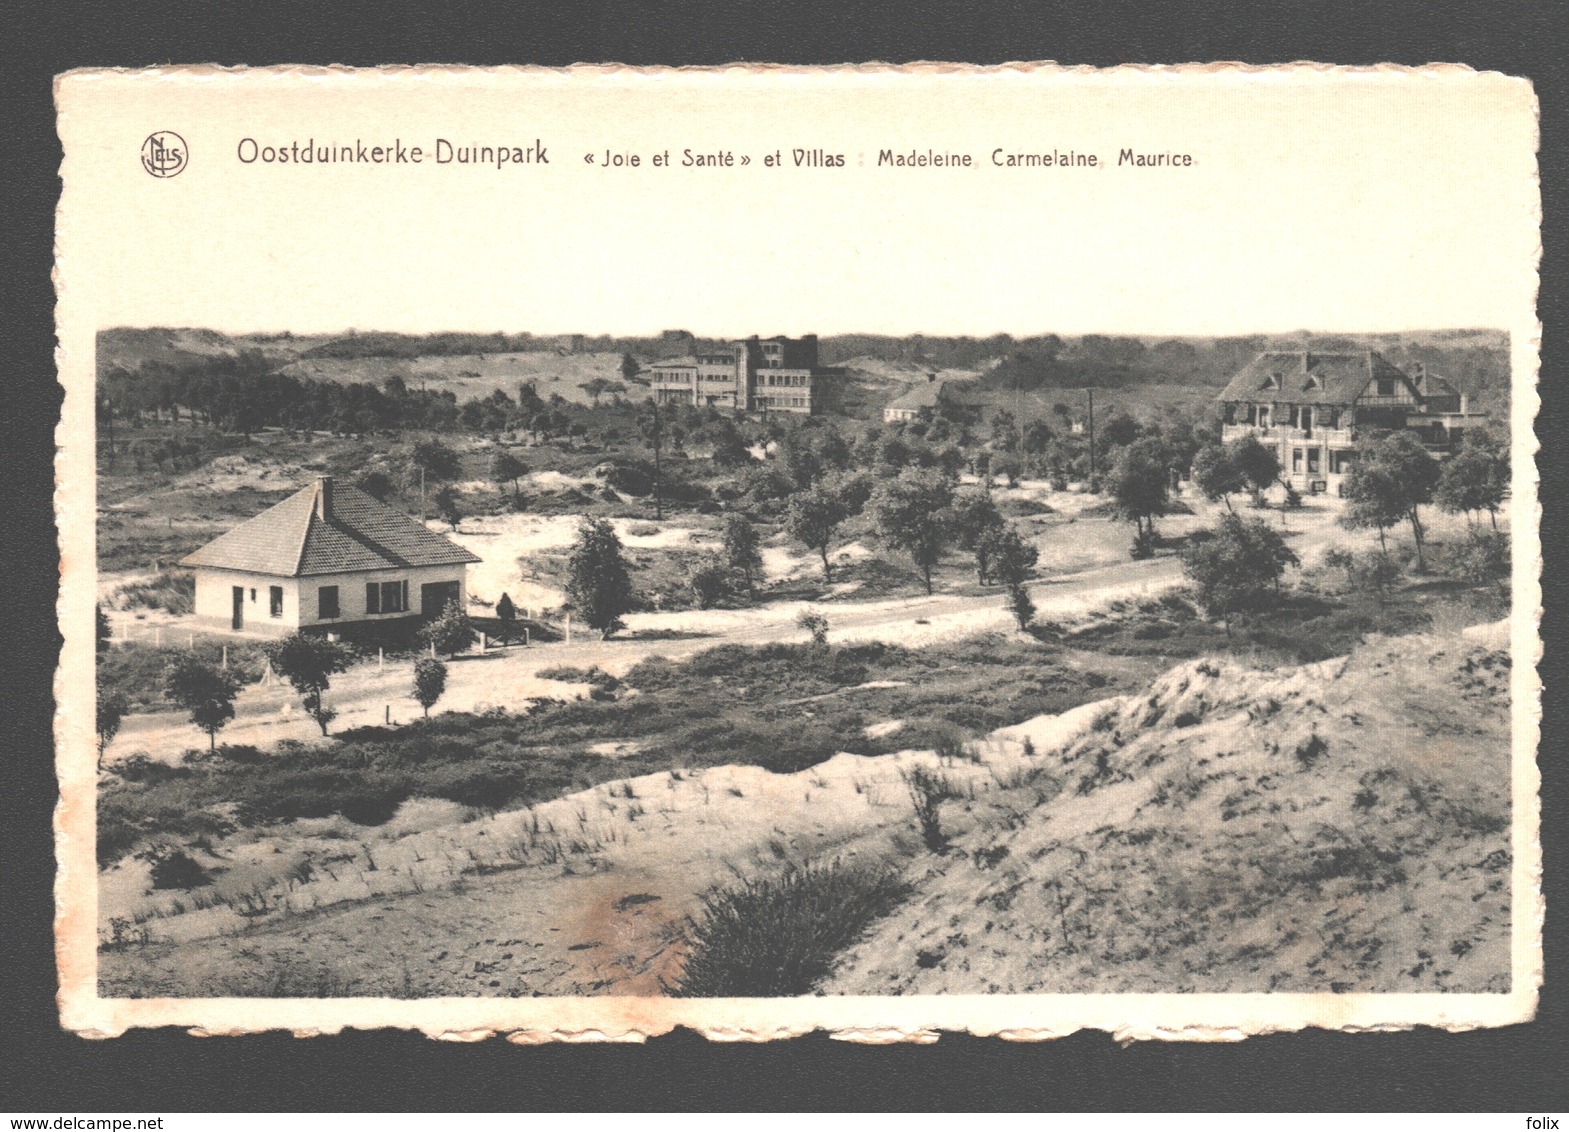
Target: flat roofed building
[(752, 375)]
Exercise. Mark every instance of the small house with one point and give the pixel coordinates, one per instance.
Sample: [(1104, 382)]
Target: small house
[(909, 405), (327, 557)]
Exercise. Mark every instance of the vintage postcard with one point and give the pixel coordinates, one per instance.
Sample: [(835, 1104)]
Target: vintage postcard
[(565, 554)]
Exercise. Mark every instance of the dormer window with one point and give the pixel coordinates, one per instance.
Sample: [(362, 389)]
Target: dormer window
[(1311, 383), (1271, 382)]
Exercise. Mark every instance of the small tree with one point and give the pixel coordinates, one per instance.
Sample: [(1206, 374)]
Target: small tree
[(1012, 559), (975, 519), (207, 693), (101, 628), (1021, 606), (376, 484), (1373, 501), (599, 587), (1216, 475), (507, 468), (1259, 466), (446, 501), (1392, 478), (1415, 475), (451, 632), (1337, 559), (1475, 479), (430, 681), (741, 547), (307, 662), (813, 517), (435, 460), (1239, 568), (1140, 481), (815, 624), (708, 582), (912, 513), (111, 711)]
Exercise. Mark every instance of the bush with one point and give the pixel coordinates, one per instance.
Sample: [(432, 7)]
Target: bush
[(765, 937), (928, 792), (176, 869)]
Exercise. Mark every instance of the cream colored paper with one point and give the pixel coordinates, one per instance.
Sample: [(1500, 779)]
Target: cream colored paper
[(1345, 201)]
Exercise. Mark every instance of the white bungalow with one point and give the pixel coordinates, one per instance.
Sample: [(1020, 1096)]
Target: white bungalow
[(324, 558)]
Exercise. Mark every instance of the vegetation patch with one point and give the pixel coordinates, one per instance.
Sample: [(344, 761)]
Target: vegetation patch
[(769, 936)]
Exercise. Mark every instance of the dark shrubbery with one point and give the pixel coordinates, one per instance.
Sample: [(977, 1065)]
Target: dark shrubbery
[(779, 935), (784, 707)]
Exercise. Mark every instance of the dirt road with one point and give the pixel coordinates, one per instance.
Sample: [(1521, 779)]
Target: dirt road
[(370, 694)]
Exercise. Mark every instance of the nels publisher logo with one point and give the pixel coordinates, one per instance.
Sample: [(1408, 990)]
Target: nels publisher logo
[(164, 154)]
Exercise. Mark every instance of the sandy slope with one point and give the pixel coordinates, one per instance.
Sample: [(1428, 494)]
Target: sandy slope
[(1335, 826), (1340, 826)]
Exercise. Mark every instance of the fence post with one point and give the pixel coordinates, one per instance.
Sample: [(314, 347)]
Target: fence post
[(525, 636), (226, 656), (388, 716), (381, 659), (482, 644)]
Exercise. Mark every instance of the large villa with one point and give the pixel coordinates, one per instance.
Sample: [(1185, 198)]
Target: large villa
[(1313, 407)]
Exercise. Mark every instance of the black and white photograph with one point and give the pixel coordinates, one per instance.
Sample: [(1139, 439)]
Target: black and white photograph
[(437, 665)]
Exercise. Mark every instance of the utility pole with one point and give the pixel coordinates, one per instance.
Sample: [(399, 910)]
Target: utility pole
[(1094, 478), (659, 496)]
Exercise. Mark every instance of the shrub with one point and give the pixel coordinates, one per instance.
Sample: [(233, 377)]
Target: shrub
[(778, 935), (709, 582), (451, 633), (815, 624), (172, 868), (928, 792)]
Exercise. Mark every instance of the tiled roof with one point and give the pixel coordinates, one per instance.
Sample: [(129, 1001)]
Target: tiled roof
[(1309, 378), (291, 540), (921, 396), (1431, 385)]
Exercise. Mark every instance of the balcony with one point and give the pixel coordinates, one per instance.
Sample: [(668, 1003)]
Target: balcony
[(1334, 437)]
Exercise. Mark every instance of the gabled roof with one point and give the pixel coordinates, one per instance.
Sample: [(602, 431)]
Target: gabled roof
[(922, 396), (292, 539), (1431, 385), (1306, 377)]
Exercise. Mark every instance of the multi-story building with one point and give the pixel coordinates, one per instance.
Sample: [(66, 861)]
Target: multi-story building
[(1313, 408), (764, 375)]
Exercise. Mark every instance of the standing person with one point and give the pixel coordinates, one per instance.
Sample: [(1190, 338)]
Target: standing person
[(508, 613)]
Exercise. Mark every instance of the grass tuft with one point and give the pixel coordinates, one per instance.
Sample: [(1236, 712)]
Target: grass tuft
[(770, 936)]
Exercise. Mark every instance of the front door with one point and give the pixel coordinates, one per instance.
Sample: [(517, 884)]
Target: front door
[(238, 620), (434, 596)]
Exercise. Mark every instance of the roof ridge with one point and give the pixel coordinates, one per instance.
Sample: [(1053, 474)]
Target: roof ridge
[(310, 517)]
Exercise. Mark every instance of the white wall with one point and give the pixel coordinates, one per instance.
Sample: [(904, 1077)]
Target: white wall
[(300, 597)]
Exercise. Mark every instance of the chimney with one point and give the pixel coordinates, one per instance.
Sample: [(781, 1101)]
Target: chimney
[(324, 498)]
